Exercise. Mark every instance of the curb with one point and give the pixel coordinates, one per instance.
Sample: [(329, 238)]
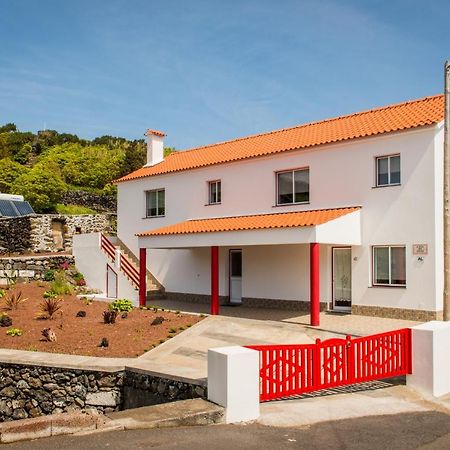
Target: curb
[(182, 413)]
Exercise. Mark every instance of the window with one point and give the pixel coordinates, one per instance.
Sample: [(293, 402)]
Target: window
[(155, 203), (388, 170), (389, 266), (215, 192), (293, 187)]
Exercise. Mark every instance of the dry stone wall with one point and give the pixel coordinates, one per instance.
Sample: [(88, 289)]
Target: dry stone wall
[(31, 268), (31, 391), (104, 203), (49, 232)]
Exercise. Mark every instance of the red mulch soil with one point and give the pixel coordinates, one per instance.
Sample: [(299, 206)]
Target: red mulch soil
[(129, 337)]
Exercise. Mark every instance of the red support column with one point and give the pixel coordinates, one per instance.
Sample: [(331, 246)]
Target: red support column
[(314, 277), (142, 276), (214, 280)]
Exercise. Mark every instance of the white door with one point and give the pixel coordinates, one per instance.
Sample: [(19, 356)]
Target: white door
[(236, 276), (342, 279), (111, 282)]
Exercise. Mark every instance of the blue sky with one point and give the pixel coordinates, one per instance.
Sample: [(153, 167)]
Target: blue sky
[(205, 71)]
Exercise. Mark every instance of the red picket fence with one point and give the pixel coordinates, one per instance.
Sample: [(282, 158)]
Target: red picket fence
[(129, 270), (287, 370), (107, 246)]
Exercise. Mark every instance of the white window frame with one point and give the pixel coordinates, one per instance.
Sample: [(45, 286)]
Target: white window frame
[(390, 247), (210, 199), (299, 169), (388, 157), (147, 209)]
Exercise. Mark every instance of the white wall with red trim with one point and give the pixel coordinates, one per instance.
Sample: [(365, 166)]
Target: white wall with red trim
[(341, 174)]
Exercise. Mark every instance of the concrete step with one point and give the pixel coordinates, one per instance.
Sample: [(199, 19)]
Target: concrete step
[(175, 414)]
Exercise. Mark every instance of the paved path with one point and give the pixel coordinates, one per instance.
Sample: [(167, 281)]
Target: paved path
[(185, 355), (405, 431)]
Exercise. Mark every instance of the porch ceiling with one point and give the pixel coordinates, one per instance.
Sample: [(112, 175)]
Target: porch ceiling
[(340, 226)]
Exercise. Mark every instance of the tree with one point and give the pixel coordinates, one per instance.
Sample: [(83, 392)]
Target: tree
[(42, 186), (9, 172), (8, 127)]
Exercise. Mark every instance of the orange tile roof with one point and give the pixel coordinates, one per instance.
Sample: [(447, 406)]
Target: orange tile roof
[(401, 116), (256, 222)]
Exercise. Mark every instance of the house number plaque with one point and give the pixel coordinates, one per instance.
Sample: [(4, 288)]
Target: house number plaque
[(420, 249)]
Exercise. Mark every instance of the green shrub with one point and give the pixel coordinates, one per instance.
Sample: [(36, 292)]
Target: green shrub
[(49, 275), (60, 285), (172, 330), (14, 332), (121, 305), (2, 293)]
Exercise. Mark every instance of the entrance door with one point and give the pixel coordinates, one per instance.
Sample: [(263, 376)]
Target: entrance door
[(342, 279), (111, 282), (236, 277)]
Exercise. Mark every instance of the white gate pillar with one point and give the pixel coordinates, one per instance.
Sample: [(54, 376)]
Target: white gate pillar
[(233, 382), (430, 358)]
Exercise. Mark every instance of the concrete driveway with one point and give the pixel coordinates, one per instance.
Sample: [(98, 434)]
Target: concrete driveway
[(185, 355)]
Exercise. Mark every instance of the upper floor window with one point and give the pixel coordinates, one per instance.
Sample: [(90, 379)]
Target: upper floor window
[(389, 265), (215, 192), (388, 170), (155, 203), (293, 186)]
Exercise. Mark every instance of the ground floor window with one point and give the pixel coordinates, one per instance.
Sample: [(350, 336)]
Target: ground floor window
[(389, 265)]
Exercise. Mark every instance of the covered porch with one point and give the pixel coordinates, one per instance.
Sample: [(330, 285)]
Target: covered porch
[(308, 229)]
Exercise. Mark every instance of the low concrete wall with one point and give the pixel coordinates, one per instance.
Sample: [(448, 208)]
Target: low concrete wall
[(30, 267)]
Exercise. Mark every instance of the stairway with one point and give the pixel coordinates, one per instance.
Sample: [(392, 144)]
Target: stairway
[(155, 290)]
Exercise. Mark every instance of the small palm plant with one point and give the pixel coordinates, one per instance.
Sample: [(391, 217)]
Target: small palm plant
[(48, 307), (13, 299)]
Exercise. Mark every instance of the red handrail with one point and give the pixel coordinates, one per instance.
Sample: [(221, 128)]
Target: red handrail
[(129, 269), (287, 370), (107, 246)]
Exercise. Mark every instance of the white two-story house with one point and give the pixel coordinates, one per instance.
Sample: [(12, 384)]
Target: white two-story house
[(344, 213)]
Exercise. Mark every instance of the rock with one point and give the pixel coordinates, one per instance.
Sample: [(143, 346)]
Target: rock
[(49, 334), (51, 387), (109, 381), (22, 384), (158, 320), (104, 398), (81, 314), (104, 342), (35, 412), (35, 382), (19, 413), (79, 391), (8, 392)]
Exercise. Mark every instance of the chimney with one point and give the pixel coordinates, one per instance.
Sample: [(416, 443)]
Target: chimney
[(155, 147)]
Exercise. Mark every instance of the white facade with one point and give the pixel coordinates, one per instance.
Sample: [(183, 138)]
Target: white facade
[(341, 175)]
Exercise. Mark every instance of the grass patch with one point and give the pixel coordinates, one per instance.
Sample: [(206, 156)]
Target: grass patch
[(72, 210)]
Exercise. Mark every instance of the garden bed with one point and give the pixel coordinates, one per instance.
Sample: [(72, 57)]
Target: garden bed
[(127, 337)]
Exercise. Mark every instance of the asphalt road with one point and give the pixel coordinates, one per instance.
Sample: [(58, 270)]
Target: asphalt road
[(427, 430)]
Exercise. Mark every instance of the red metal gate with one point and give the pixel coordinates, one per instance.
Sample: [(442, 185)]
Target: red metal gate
[(287, 370)]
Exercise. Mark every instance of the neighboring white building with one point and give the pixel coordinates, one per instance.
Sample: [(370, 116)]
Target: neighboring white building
[(358, 198)]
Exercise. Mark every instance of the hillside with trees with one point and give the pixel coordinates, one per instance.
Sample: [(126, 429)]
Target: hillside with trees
[(44, 166)]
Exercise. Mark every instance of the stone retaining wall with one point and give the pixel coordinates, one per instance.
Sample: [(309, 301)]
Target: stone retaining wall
[(142, 389), (50, 232), (31, 391), (397, 313), (30, 267), (107, 203)]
